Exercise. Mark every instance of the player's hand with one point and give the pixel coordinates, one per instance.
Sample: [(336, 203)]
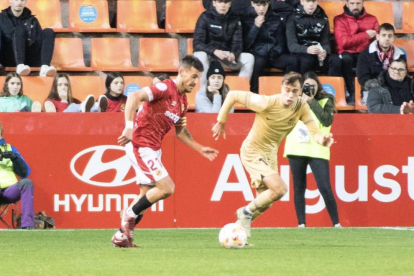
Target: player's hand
[(209, 153), (126, 137), (219, 129), (220, 54), (231, 57), (326, 140), (371, 33), (407, 108)]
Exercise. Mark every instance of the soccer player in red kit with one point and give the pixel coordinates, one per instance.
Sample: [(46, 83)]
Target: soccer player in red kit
[(161, 106)]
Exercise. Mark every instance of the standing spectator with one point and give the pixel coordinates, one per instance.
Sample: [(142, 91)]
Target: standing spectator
[(378, 56), (12, 98), (354, 30), (302, 150), (218, 36), (392, 88), (11, 189), (114, 84), (307, 33), (211, 99), (23, 42), (264, 37)]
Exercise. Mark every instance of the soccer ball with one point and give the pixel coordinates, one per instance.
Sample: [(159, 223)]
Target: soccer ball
[(232, 236)]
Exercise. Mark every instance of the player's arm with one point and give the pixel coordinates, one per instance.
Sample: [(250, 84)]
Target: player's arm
[(133, 102), (250, 100), (324, 140), (184, 135)]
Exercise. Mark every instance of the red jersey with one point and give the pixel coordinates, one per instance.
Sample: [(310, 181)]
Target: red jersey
[(59, 105), (156, 117)]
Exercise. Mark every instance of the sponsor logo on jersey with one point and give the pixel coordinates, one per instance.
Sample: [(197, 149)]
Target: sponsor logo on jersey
[(172, 116)]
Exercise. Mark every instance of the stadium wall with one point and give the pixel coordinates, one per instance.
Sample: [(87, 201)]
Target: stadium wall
[(83, 179)]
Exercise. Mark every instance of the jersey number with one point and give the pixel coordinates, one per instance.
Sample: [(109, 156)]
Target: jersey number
[(151, 164)]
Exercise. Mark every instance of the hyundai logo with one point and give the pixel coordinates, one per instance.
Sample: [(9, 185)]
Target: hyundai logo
[(95, 166)]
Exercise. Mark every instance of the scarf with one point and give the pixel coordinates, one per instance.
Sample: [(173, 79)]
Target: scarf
[(385, 58)]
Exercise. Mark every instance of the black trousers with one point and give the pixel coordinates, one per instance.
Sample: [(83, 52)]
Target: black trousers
[(349, 61), (320, 169), (20, 51), (332, 64), (284, 62)]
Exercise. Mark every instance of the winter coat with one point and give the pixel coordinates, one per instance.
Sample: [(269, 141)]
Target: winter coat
[(268, 39), (304, 30), (350, 32), (216, 31), (369, 65), (379, 96)]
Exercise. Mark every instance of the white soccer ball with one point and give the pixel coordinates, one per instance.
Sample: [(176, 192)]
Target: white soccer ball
[(232, 236)]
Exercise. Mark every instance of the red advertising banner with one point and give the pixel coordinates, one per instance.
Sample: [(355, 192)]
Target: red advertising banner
[(83, 178)]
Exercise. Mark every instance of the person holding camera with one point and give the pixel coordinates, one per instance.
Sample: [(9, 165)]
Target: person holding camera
[(302, 150), (11, 189)]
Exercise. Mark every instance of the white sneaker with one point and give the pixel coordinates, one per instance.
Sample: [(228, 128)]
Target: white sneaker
[(47, 71), (302, 226), (102, 103), (338, 225), (49, 106), (244, 220), (36, 107), (23, 70), (87, 104)]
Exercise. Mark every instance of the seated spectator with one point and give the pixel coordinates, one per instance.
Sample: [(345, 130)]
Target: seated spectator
[(218, 36), (160, 78), (23, 42), (264, 37), (60, 98), (114, 84), (211, 99), (11, 189), (307, 33), (378, 56), (354, 30), (12, 98), (390, 90)]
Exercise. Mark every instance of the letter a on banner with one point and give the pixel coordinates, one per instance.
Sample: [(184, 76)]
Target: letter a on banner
[(232, 162)]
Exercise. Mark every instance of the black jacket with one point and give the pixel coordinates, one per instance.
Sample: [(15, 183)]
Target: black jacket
[(379, 96), (8, 22), (269, 39), (369, 65), (216, 31), (303, 30)]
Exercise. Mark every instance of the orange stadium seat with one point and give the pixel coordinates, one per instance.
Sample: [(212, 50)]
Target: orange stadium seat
[(270, 85), (68, 55), (332, 9), (89, 16), (137, 17), (182, 16), (408, 46), (337, 84), (383, 11), (36, 88), (111, 54), (238, 83), (134, 83), (48, 13), (82, 86), (190, 50), (158, 55), (407, 17), (358, 101)]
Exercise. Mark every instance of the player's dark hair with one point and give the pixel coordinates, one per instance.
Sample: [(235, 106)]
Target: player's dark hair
[(292, 77), (191, 61), (386, 27), (109, 78)]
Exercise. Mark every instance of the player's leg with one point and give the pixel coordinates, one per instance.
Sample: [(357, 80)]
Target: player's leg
[(260, 211), (320, 169)]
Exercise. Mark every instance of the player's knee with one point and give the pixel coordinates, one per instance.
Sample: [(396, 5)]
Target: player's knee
[(279, 191), (168, 191)]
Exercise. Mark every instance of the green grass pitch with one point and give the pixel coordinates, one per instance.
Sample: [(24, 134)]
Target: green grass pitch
[(311, 251)]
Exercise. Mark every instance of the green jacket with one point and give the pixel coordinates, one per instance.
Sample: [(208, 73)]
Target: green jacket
[(14, 103)]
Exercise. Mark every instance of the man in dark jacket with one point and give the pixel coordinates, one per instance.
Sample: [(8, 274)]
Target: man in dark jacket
[(264, 37), (11, 189), (354, 30), (23, 42), (307, 33), (218, 35), (390, 90)]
